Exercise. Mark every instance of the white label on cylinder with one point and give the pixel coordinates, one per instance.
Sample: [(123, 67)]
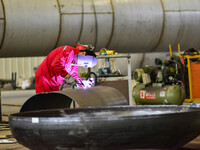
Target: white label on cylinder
[(35, 120)]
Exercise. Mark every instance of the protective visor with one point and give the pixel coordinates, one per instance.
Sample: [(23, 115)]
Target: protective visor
[(85, 61)]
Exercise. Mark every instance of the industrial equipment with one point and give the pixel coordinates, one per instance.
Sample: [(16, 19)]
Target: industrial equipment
[(167, 82), (191, 62), (108, 77), (161, 84), (27, 29), (110, 128), (12, 81), (89, 81)]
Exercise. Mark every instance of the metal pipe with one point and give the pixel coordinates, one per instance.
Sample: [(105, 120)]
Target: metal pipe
[(35, 27), (120, 127), (94, 96)]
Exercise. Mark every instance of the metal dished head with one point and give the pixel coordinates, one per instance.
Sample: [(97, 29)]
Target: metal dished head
[(111, 127)]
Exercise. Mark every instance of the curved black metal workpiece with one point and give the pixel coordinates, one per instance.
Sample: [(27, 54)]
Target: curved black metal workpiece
[(94, 96), (112, 128), (46, 101)]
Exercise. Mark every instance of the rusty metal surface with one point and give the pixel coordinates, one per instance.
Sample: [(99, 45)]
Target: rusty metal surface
[(119, 127), (94, 96)]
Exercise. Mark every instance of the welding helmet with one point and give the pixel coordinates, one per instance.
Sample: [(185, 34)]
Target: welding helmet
[(84, 47), (86, 61), (80, 47)]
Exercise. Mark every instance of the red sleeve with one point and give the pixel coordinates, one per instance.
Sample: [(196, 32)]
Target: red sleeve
[(74, 74), (58, 65), (71, 69)]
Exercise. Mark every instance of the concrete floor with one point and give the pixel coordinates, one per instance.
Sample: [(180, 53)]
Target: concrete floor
[(12, 102), (193, 145)]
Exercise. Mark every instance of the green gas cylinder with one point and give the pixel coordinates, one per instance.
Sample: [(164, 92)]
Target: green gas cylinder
[(157, 94)]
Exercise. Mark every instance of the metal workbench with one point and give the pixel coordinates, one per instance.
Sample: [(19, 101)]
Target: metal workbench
[(128, 77)]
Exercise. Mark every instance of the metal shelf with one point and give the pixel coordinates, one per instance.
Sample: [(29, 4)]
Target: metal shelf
[(124, 55), (128, 77)]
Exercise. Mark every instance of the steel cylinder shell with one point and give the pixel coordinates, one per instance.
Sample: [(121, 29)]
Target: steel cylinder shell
[(110, 128), (83, 98), (35, 28)]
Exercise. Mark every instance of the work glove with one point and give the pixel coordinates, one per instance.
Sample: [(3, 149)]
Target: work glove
[(80, 83), (88, 83), (85, 83)]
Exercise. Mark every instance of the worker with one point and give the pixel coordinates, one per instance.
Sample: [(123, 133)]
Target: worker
[(61, 62)]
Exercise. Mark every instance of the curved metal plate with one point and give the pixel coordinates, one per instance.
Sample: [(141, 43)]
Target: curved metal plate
[(1, 10), (46, 101), (137, 25), (89, 27), (31, 26), (104, 17), (104, 30), (181, 19), (94, 96), (71, 22), (71, 6), (2, 22), (70, 29), (122, 127), (36, 27)]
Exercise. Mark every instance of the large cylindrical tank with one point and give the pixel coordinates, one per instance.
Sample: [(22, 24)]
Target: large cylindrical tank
[(35, 27), (155, 95)]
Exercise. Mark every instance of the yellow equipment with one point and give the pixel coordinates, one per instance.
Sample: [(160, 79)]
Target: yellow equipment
[(104, 51), (193, 69)]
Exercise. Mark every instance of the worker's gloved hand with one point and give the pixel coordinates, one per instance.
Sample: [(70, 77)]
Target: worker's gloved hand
[(85, 83), (80, 84), (88, 83)]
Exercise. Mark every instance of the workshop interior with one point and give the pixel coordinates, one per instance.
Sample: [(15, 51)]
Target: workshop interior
[(137, 81)]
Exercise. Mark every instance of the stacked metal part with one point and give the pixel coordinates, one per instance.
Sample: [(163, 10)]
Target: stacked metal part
[(34, 27)]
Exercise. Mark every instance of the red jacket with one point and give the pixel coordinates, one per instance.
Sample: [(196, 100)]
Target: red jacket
[(51, 72)]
